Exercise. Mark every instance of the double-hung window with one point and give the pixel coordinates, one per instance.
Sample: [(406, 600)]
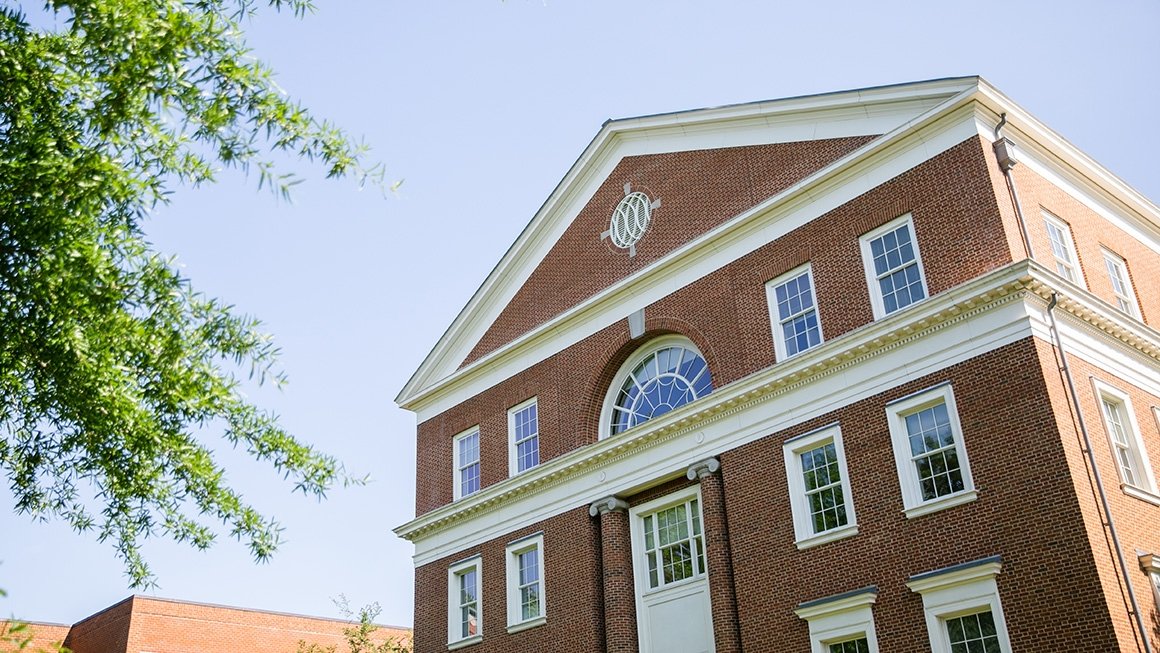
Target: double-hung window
[(1150, 563), (842, 623), (525, 583), (963, 612), (1132, 464), (819, 487), (673, 544), (1121, 284), (464, 603), (793, 312), (465, 450), (1062, 248), (928, 449), (524, 437), (893, 266)]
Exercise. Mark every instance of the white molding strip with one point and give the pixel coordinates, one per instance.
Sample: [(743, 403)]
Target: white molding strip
[(991, 311)]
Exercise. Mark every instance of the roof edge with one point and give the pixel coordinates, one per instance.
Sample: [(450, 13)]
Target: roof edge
[(606, 137)]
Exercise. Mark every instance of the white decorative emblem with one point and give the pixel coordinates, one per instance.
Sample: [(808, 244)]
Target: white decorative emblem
[(630, 219)]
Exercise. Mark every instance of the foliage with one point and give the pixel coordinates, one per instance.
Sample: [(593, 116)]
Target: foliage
[(111, 364), (359, 635)]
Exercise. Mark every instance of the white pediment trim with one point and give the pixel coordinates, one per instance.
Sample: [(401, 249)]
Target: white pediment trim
[(916, 136), (863, 112)]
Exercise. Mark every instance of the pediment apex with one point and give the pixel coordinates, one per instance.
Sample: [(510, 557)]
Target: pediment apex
[(860, 112)]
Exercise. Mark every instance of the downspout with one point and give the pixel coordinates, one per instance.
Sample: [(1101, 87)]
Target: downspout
[(1005, 154), (1087, 445)]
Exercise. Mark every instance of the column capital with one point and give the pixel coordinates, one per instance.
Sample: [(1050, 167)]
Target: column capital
[(607, 504), (703, 468)]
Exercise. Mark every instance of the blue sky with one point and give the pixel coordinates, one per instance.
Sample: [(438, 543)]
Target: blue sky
[(481, 107)]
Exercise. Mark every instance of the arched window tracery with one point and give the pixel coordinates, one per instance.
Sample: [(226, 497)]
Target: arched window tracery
[(664, 375)]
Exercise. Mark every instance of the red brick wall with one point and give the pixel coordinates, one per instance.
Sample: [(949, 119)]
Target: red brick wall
[(104, 632), (1091, 232), (699, 190), (960, 234), (42, 637), (1137, 522), (1026, 511), (572, 591), (1034, 508), (180, 627), (163, 626)]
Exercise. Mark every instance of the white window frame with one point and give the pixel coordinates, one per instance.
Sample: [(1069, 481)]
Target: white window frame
[(959, 591), (1145, 488), (457, 464), (639, 557), (513, 450), (804, 534), (626, 369), (1150, 563), (454, 640), (1126, 301), (896, 411), (1068, 245), (840, 618), (515, 617), (872, 276), (775, 319)]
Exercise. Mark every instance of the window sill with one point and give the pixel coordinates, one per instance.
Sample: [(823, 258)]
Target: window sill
[(677, 583), (949, 501), (524, 625), (462, 643), (1141, 494), (850, 530)]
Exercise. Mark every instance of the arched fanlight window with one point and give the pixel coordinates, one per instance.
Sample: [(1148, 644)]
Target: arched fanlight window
[(664, 375)]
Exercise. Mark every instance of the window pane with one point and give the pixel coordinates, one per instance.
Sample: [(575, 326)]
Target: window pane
[(824, 495), (859, 645), (973, 633), (935, 458), (666, 379), (676, 551), (896, 268)]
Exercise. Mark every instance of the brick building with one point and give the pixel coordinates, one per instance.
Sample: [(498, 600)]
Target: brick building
[(141, 624), (864, 371)]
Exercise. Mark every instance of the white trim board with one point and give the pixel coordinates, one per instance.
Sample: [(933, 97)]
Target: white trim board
[(1000, 308)]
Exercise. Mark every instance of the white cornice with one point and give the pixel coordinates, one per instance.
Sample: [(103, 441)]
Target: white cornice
[(817, 115), (1068, 166), (1023, 282), (968, 573)]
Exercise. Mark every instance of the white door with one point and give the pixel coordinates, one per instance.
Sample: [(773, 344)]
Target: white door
[(672, 588)]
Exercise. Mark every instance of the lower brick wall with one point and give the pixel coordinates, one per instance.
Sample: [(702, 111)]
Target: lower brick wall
[(1026, 511), (1035, 508), (1137, 521), (105, 631), (572, 592)]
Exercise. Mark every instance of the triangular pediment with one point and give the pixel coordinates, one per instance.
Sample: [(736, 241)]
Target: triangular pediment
[(698, 169)]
